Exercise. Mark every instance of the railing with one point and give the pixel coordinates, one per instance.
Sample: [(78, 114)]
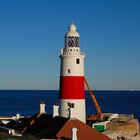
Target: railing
[(62, 52)]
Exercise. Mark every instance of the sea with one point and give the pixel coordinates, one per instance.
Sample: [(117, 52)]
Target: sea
[(26, 102)]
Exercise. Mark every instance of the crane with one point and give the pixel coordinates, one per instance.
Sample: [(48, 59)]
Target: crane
[(100, 114)]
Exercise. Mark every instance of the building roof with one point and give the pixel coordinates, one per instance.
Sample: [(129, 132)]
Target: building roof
[(12, 123), (41, 125), (84, 131)]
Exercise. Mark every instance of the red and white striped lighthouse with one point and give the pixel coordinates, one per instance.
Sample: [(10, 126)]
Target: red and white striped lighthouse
[(72, 92)]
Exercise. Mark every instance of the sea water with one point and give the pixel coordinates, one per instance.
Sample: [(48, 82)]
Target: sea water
[(26, 102)]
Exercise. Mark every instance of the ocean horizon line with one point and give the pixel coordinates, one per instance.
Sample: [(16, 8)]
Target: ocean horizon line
[(131, 90)]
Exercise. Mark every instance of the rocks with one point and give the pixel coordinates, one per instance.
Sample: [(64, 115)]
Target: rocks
[(122, 135), (128, 130)]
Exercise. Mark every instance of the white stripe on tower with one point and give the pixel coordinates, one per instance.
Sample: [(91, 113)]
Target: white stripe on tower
[(72, 92)]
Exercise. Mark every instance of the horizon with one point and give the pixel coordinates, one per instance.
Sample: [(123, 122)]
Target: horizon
[(32, 34), (86, 90)]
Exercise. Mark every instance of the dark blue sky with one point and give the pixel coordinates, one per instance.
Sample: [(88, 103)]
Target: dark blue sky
[(32, 34)]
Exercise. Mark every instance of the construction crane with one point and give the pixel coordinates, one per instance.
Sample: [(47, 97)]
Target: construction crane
[(100, 114)]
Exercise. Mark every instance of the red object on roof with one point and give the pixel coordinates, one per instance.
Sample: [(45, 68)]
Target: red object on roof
[(84, 131)]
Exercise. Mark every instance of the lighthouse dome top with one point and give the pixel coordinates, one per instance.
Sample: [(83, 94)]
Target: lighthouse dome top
[(72, 27), (72, 31)]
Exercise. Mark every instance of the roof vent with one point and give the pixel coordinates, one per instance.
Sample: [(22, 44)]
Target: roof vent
[(74, 133), (42, 107), (55, 110)]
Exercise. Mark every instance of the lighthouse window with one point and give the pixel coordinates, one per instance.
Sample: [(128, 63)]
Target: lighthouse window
[(70, 105), (77, 41), (72, 41), (77, 61), (69, 71)]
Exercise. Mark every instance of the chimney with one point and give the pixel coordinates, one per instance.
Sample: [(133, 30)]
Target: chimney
[(74, 133), (17, 116), (42, 107), (55, 110)]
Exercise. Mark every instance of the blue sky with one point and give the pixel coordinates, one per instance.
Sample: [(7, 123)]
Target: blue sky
[(32, 34)]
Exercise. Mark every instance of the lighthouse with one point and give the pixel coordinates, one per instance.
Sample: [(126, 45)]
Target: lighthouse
[(72, 92)]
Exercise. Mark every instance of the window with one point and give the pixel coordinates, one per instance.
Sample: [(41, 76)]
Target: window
[(70, 105), (77, 61), (72, 41), (76, 41), (69, 71)]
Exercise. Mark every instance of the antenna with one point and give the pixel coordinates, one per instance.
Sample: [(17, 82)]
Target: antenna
[(72, 22)]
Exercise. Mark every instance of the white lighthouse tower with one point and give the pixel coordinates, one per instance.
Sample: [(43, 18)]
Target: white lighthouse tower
[(72, 92)]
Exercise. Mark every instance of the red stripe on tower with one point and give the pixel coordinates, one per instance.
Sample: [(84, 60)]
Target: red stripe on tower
[(72, 93), (72, 87)]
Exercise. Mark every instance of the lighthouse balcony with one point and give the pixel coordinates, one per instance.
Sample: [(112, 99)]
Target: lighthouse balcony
[(71, 51)]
